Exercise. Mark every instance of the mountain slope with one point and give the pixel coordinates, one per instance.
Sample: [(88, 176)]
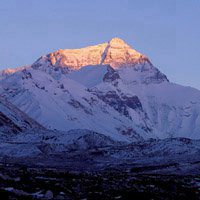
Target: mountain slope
[(172, 110), (65, 104), (13, 121)]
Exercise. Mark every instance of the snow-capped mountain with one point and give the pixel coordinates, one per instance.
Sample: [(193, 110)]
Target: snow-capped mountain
[(109, 88)]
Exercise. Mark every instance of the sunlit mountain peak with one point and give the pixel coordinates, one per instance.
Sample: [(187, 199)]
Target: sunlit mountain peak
[(115, 53)]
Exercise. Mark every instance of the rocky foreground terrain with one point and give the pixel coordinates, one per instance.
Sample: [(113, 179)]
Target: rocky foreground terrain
[(17, 182), (153, 169)]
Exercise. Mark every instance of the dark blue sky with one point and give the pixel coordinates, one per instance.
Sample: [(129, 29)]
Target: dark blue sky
[(167, 31)]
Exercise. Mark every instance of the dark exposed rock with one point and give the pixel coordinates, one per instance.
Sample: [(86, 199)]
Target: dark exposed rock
[(111, 75), (8, 124), (121, 103), (77, 104), (26, 74)]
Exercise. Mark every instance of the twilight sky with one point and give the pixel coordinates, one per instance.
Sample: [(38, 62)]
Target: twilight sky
[(167, 31)]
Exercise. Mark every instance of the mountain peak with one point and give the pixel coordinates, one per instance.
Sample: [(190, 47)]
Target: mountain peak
[(117, 42), (115, 53)]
